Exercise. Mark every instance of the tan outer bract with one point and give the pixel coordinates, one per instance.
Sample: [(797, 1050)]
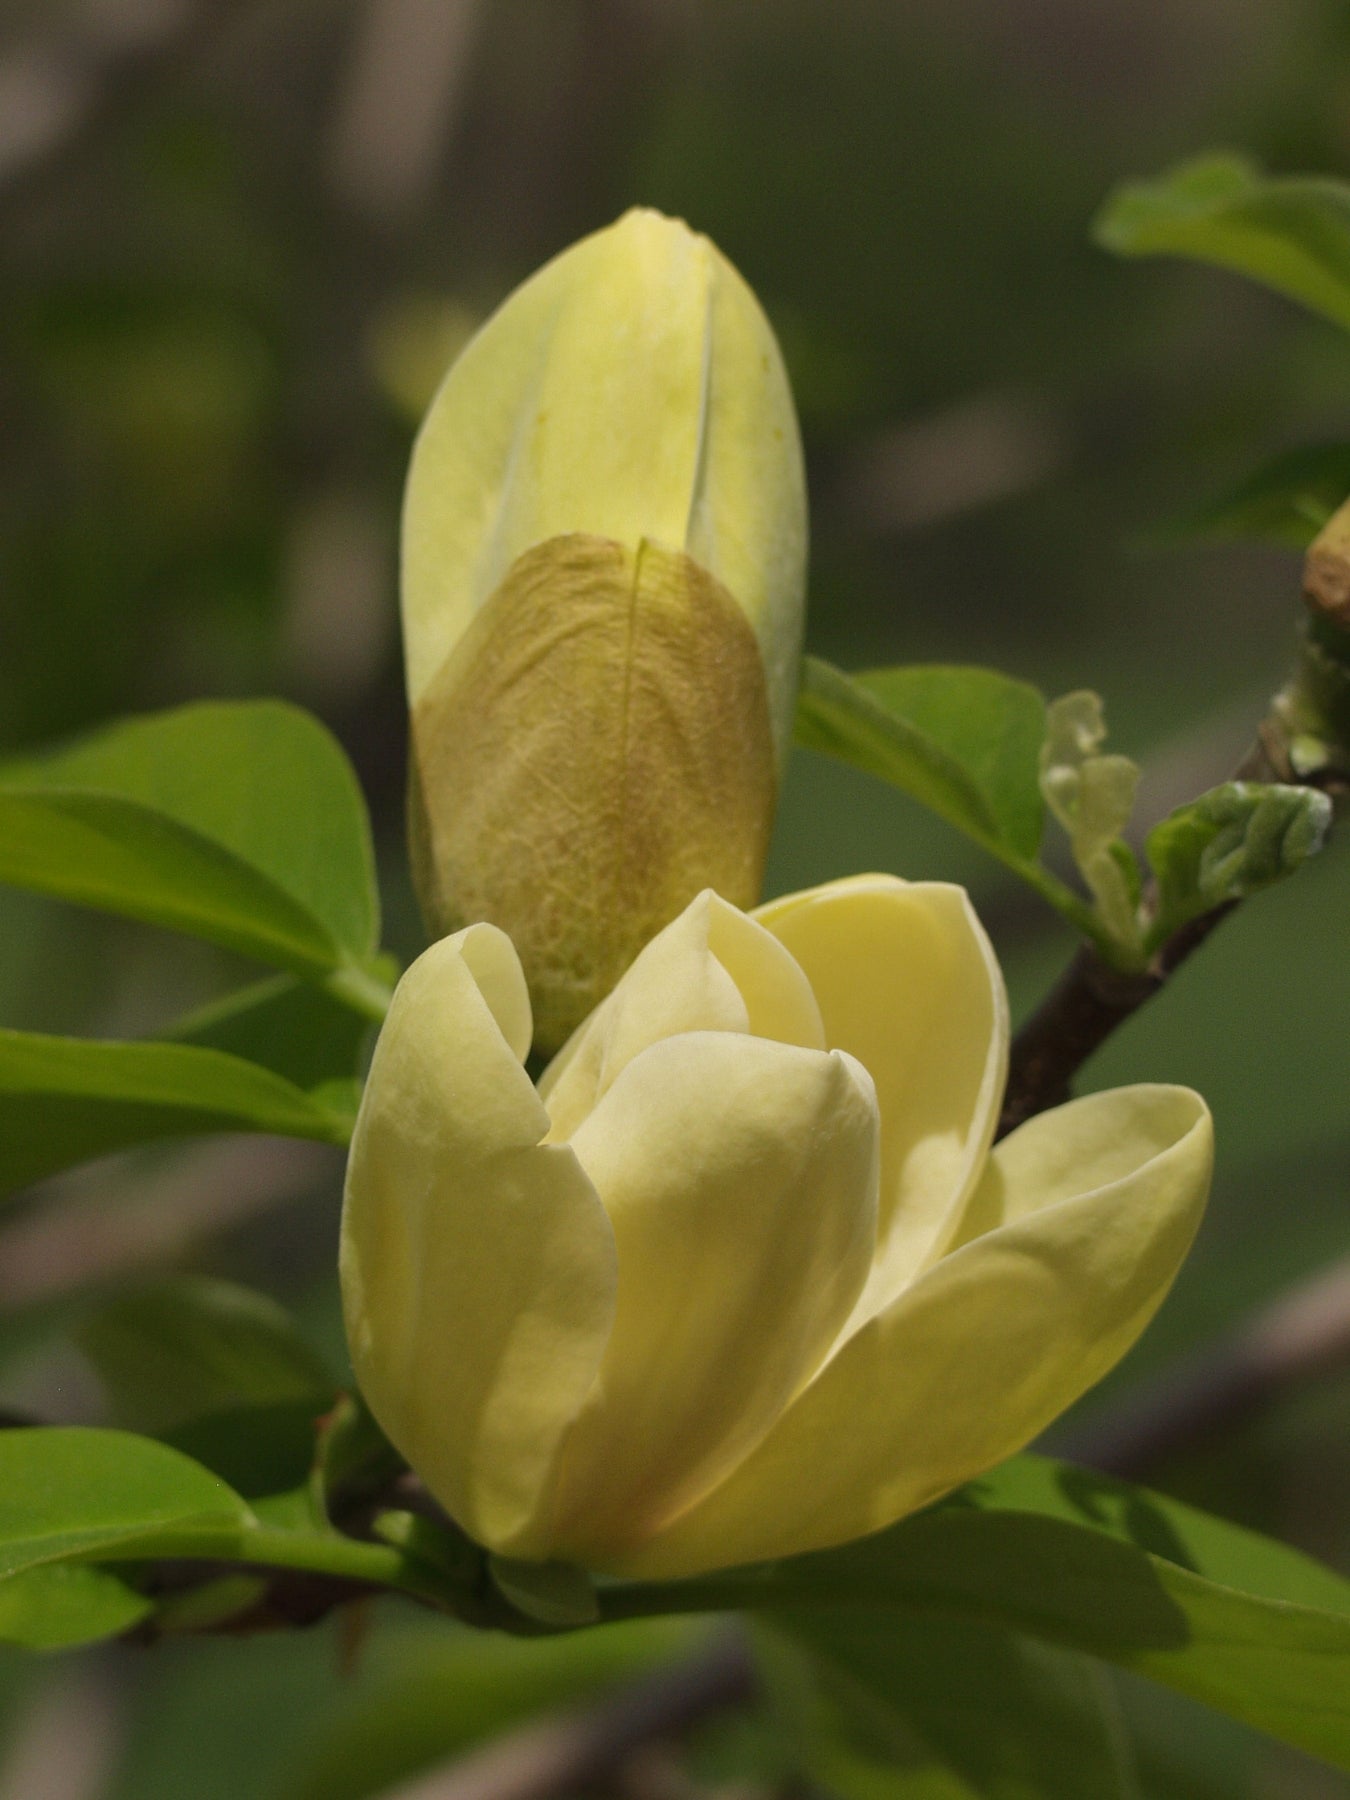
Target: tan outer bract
[(599, 745)]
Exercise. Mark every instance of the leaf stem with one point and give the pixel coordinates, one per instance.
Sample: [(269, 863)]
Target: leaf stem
[(327, 1554), (359, 989), (1078, 911), (344, 1559)]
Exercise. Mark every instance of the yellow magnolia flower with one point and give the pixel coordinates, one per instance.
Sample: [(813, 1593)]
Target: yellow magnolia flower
[(743, 1277), (604, 555)]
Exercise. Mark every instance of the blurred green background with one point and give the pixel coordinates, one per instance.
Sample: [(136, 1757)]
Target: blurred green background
[(239, 242)]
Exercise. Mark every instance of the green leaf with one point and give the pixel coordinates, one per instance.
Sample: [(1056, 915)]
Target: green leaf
[(283, 1024), (1290, 232), (238, 822), (210, 1605), (1287, 501), (1231, 842), (79, 1495), (1072, 1558), (64, 1100), (70, 1493), (990, 724), (991, 1713), (58, 1606), (1222, 1552), (962, 741), (1092, 795), (188, 1344)]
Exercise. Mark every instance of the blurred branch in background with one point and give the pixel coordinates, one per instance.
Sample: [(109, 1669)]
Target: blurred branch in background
[(62, 84), (397, 109), (1301, 1337), (609, 1747), (71, 1733), (925, 471), (97, 1228)]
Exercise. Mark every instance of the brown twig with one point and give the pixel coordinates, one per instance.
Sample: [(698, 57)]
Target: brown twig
[(1080, 1012)]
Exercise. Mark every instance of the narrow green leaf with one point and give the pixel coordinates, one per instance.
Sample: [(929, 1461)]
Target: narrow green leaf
[(59, 1606), (1072, 1558), (209, 1606), (71, 1493), (962, 741), (1290, 232), (238, 822), (1231, 842), (64, 1100), (295, 1029), (990, 724), (187, 1345), (119, 856), (1286, 501)]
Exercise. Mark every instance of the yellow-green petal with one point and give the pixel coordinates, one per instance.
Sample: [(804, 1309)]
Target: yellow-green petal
[(987, 1347), (478, 1265), (740, 1177), (907, 982), (631, 389)]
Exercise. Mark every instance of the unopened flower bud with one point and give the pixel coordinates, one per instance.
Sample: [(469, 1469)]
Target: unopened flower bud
[(603, 577)]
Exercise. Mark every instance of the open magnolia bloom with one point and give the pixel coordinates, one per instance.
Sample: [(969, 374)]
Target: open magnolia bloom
[(743, 1277)]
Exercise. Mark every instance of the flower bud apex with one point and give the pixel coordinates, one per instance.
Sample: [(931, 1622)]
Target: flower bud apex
[(603, 575)]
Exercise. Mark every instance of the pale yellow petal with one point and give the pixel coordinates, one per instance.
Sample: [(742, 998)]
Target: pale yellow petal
[(711, 969), (740, 1176), (907, 982), (779, 1002), (478, 1265), (490, 958), (987, 1347)]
